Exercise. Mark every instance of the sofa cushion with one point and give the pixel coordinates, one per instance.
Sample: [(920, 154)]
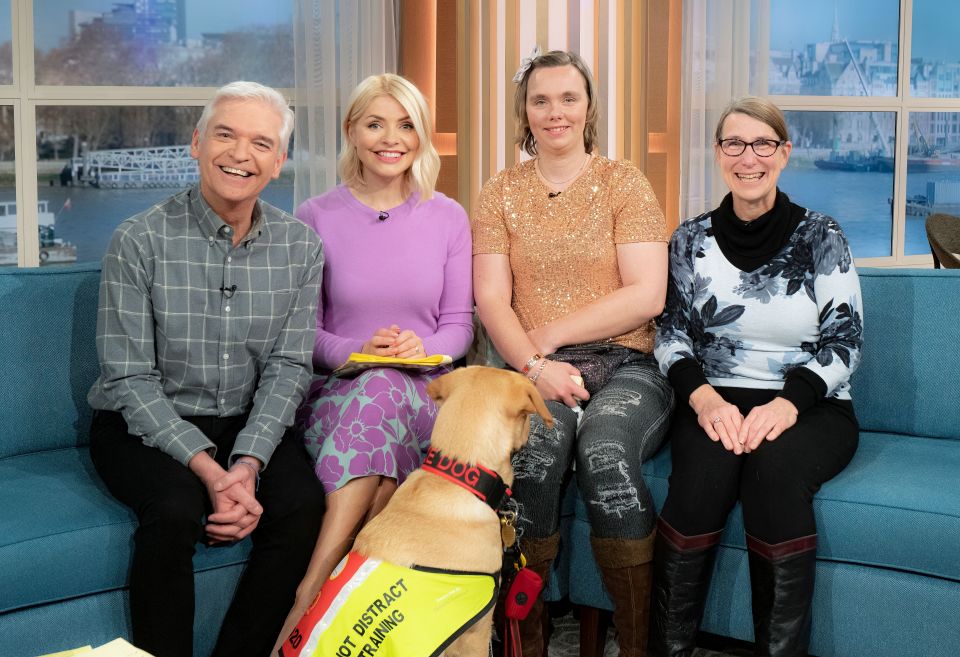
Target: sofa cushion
[(911, 354), (43, 402), (69, 537)]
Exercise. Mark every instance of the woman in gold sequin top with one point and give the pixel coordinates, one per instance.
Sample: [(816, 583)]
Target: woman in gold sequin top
[(570, 268)]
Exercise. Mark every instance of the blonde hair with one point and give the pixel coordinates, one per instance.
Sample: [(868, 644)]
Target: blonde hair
[(422, 174), (245, 90), (554, 58), (757, 108)]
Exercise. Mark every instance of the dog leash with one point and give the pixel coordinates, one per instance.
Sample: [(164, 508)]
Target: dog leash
[(522, 591), (489, 487)]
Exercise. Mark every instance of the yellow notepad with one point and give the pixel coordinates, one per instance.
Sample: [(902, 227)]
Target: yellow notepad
[(359, 362), (119, 648), (116, 648)]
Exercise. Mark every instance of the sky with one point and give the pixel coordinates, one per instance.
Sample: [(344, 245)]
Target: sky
[(793, 23), (202, 16)]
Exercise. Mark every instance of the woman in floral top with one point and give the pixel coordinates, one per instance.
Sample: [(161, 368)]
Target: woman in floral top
[(760, 334)]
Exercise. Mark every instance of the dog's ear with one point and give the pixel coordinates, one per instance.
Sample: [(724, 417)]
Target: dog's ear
[(533, 403), (439, 388)]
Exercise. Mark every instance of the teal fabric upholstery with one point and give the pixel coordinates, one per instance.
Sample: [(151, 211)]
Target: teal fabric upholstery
[(912, 359), (65, 543), (47, 348), (888, 569)]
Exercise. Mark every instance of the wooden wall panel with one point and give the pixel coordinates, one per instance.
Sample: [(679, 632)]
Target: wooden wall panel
[(469, 58)]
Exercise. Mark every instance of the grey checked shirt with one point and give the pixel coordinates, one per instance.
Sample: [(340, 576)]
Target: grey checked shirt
[(172, 344)]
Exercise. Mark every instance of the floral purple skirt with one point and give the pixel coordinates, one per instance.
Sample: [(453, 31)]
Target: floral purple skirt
[(377, 423)]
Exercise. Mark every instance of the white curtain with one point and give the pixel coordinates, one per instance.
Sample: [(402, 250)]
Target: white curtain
[(337, 43), (716, 69)]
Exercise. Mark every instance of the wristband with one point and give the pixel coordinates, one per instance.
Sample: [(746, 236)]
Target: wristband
[(536, 375), (530, 363), (256, 472)]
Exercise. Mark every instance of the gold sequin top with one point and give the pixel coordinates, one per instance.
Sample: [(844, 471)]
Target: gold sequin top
[(562, 250)]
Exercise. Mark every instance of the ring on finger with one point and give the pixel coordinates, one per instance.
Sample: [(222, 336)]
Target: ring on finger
[(716, 419)]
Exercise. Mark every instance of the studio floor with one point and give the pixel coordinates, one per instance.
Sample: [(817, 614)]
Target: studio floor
[(565, 642)]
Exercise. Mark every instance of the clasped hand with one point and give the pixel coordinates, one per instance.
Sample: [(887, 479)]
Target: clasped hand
[(394, 342), (236, 511), (723, 422)]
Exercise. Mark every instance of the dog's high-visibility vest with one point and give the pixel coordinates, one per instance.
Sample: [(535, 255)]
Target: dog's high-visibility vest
[(370, 607)]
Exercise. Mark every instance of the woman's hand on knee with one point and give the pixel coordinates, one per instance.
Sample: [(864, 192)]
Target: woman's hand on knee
[(767, 422), (719, 419)]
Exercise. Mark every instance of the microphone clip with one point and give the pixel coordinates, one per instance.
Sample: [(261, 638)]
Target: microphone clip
[(228, 292), (383, 216), (553, 194)]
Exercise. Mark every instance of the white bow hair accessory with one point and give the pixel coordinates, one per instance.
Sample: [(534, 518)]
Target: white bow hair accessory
[(526, 63)]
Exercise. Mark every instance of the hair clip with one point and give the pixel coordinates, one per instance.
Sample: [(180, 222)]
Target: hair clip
[(526, 63)]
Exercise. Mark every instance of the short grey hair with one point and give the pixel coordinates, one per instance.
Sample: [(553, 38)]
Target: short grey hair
[(757, 108), (245, 90)]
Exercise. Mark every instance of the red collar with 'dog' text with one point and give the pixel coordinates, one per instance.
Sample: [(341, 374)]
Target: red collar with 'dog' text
[(485, 484)]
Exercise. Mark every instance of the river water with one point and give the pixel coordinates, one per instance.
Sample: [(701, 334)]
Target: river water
[(92, 214), (859, 201)]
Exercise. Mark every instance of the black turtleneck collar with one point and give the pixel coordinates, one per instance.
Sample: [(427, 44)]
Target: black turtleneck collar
[(749, 245)]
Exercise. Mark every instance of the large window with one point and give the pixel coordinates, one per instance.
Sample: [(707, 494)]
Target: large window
[(873, 108), (102, 96), (162, 42)]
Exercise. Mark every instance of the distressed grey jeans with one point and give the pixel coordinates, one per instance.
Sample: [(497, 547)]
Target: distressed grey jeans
[(623, 425)]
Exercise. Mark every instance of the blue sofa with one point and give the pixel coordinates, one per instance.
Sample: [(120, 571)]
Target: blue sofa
[(65, 543), (889, 553), (888, 558)]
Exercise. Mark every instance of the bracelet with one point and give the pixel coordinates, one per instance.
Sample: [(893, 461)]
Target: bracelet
[(256, 471), (530, 363), (536, 375)]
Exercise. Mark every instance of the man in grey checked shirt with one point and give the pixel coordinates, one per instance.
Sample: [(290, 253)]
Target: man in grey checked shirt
[(205, 332)]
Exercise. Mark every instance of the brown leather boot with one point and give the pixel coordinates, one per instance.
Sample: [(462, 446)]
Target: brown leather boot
[(626, 569), (540, 553)]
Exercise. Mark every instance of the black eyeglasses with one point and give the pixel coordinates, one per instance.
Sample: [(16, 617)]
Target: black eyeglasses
[(762, 147)]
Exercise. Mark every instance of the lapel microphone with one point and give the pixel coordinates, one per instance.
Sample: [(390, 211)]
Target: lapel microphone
[(228, 291), (383, 216), (553, 194)]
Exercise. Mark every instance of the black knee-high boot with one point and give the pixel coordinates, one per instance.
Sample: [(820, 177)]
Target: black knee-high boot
[(781, 578), (682, 566)]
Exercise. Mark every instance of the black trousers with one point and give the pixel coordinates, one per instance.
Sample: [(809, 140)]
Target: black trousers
[(170, 503), (775, 483)]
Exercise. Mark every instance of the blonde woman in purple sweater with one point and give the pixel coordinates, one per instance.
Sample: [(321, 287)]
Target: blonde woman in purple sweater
[(396, 282)]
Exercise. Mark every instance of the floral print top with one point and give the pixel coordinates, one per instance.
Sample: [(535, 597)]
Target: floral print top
[(751, 329)]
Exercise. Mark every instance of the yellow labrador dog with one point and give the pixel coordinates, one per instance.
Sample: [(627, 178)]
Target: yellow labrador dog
[(437, 524)]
